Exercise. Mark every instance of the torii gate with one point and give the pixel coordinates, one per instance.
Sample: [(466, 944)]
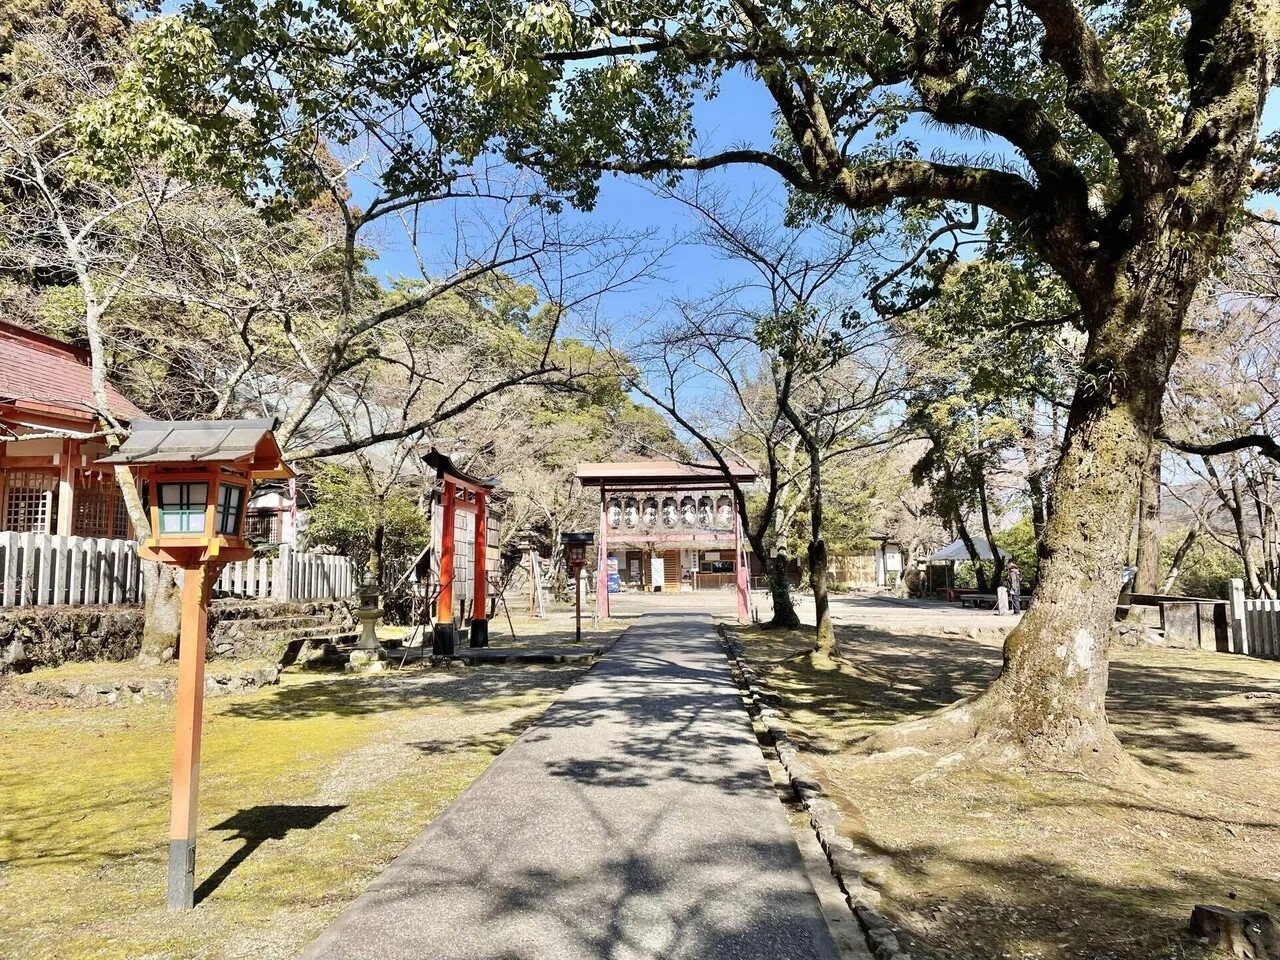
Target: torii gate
[(666, 502), (460, 512)]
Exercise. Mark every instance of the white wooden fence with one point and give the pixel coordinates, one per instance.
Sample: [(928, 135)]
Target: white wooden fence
[(40, 570), (294, 575), (1255, 625)]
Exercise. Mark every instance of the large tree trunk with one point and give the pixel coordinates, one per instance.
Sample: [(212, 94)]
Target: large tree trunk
[(784, 611), (1048, 706), (1147, 579), (824, 641)]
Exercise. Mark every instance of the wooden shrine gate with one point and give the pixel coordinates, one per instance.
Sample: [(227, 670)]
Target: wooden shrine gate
[(463, 552)]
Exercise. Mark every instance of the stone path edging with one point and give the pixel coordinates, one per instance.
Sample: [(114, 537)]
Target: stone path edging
[(847, 862)]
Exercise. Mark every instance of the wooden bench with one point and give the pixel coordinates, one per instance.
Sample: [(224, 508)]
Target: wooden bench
[(980, 601), (952, 594)]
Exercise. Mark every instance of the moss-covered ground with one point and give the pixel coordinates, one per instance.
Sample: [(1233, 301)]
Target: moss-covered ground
[(981, 863), (307, 790)]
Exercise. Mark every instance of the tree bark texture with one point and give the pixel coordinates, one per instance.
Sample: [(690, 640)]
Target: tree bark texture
[(1050, 698), (824, 641), (1048, 706), (784, 611), (1147, 579), (162, 612)]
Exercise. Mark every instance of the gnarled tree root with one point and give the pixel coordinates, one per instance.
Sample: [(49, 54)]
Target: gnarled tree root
[(986, 731)]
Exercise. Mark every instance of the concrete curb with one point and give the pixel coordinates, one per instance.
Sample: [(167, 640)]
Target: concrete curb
[(849, 863)]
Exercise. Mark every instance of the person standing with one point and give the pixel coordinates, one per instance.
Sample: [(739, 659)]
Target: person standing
[(1013, 580)]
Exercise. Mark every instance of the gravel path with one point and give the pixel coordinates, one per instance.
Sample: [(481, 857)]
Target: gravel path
[(636, 819)]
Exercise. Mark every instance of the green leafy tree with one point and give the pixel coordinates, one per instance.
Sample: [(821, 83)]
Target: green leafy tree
[(1124, 141), (361, 521)]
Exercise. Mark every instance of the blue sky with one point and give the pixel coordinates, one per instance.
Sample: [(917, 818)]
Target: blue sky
[(741, 114)]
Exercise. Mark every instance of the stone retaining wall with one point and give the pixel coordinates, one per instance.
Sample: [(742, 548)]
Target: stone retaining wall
[(117, 693), (34, 637)]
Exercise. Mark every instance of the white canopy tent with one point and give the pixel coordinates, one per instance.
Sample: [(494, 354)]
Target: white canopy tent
[(957, 552)]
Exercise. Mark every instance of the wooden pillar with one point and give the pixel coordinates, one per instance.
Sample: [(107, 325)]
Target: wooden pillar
[(66, 490), (186, 745), (740, 567), (602, 569), (448, 514), (480, 589)]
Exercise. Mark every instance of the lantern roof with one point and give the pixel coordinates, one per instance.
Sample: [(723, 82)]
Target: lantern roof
[(247, 444)]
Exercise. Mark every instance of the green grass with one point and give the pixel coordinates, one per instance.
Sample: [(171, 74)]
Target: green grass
[(320, 781)]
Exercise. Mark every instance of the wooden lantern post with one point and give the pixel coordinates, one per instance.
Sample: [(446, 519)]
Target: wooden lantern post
[(195, 478), (575, 553)]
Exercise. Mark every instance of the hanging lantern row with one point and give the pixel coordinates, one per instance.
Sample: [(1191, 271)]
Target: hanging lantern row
[(631, 513)]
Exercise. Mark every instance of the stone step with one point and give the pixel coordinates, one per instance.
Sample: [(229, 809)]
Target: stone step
[(297, 633), (326, 651), (266, 624)]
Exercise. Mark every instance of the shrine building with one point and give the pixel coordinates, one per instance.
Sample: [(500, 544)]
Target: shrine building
[(667, 526), (51, 441)]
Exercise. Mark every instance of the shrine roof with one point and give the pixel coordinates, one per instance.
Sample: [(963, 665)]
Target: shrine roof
[(41, 371), (443, 467), (651, 473)]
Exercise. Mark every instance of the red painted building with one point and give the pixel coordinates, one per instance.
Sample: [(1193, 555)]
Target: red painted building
[(48, 442)]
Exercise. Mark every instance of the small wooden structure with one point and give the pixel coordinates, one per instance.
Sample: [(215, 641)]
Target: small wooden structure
[(461, 561), (195, 479), (575, 555), (941, 571)]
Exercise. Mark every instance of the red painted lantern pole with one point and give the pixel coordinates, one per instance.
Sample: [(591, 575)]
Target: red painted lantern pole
[(197, 477), (186, 747)]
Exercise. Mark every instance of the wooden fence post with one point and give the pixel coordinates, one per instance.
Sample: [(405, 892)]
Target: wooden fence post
[(280, 576), (1239, 622)]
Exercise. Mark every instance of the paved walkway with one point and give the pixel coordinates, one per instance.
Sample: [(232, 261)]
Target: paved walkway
[(636, 819)]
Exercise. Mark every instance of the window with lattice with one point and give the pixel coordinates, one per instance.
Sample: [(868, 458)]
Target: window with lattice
[(29, 501), (263, 525), (91, 509), (119, 516)]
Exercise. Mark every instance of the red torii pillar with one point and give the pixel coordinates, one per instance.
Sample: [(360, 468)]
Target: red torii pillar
[(602, 565), (448, 515), (740, 568), (480, 590)]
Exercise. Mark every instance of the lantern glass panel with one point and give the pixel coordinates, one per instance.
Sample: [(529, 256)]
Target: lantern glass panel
[(230, 501), (182, 507)]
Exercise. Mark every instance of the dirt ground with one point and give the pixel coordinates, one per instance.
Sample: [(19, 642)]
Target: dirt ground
[(987, 864), (307, 790)]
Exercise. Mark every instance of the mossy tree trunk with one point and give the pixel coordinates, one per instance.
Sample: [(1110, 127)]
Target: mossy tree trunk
[(1147, 579), (1049, 702), (784, 611), (162, 604)]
